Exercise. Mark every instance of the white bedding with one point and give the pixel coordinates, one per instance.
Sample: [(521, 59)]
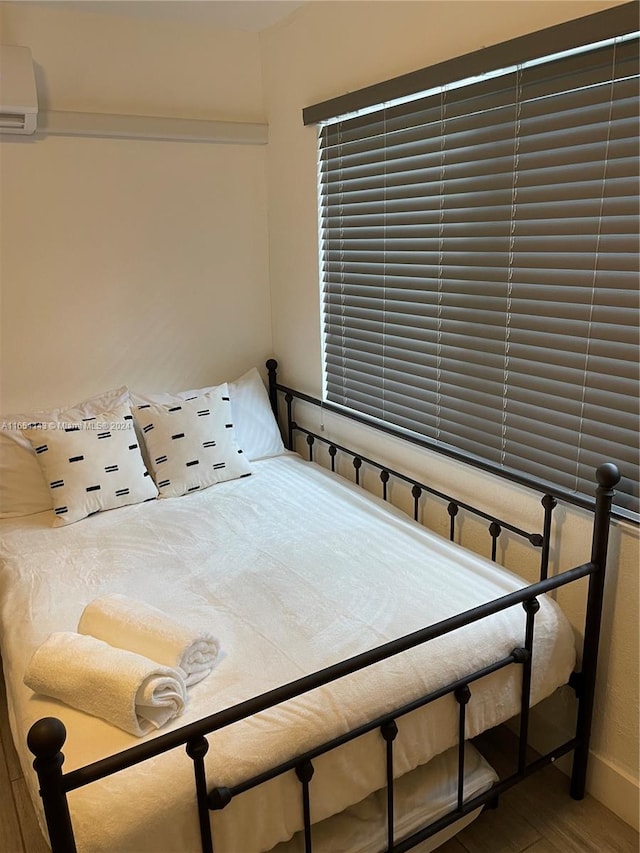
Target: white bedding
[(292, 569)]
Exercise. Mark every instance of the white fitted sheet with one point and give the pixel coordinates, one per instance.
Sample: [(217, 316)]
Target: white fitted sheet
[(292, 569)]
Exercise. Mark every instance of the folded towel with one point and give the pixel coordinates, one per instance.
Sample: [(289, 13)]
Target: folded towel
[(128, 690), (144, 629)]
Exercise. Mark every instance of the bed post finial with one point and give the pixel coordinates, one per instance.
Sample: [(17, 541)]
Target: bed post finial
[(272, 369), (45, 740), (608, 476)]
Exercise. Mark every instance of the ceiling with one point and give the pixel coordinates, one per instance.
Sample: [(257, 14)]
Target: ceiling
[(247, 15)]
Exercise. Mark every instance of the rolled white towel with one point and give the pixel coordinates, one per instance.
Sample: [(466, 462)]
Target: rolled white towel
[(126, 689), (145, 629)]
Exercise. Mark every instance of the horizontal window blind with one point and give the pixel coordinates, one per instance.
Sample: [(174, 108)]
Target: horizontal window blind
[(479, 264)]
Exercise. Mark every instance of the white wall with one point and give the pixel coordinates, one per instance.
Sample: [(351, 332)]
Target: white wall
[(125, 261), (133, 63), (329, 48)]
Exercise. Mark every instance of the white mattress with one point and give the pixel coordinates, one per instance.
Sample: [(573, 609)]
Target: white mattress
[(293, 569)]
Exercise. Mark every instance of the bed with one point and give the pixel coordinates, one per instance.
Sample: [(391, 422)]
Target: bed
[(360, 653)]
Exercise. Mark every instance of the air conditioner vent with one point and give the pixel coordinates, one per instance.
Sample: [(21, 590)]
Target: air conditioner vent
[(18, 98)]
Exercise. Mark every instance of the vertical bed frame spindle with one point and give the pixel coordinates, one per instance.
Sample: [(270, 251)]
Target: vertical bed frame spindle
[(608, 476)]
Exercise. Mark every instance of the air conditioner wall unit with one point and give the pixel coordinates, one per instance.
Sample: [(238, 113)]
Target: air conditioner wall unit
[(18, 97)]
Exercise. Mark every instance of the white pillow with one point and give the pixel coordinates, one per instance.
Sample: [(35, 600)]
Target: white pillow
[(256, 428), (23, 488), (191, 443), (91, 463)]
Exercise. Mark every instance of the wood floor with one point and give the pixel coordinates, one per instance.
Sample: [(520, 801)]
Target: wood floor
[(537, 816)]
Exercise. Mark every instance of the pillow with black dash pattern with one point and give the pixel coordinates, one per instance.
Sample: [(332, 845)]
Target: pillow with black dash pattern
[(23, 489), (91, 463), (191, 444)]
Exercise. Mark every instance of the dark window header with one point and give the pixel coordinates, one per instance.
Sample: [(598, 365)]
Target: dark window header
[(566, 36)]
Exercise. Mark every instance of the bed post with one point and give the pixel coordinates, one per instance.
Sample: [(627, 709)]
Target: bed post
[(45, 740), (272, 368), (549, 503), (608, 476)]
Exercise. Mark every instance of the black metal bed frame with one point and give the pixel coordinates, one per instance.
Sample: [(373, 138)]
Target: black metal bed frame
[(47, 736)]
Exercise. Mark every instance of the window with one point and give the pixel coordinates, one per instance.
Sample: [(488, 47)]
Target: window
[(479, 253)]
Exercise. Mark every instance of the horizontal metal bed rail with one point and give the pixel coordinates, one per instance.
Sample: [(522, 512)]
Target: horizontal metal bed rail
[(516, 656), (386, 472), (496, 526), (454, 505), (513, 476), (47, 736), (162, 743)]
